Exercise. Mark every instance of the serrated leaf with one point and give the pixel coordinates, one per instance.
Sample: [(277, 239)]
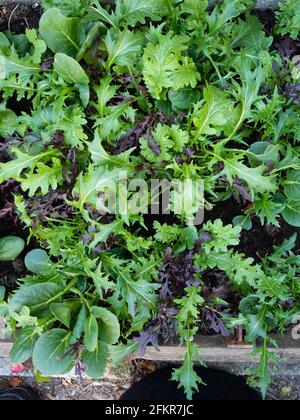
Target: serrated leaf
[(161, 61), (215, 115), (122, 48), (135, 11), (22, 161), (186, 375), (44, 178)]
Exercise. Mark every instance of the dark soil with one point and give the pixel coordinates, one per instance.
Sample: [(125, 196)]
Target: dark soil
[(261, 239), (10, 272), (17, 17)]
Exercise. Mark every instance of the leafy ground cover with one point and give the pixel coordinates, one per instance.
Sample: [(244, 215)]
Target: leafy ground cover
[(160, 89)]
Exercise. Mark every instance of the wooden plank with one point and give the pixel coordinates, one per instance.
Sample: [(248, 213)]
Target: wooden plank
[(212, 349)]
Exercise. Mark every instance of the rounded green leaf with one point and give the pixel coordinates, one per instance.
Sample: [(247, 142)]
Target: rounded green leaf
[(109, 327), (60, 33), (291, 213), (95, 361), (70, 70), (49, 354), (11, 247), (7, 122), (62, 313), (23, 345), (35, 296), (91, 333), (36, 260), (292, 185)]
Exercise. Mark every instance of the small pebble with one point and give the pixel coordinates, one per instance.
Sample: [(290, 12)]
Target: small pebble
[(286, 391)]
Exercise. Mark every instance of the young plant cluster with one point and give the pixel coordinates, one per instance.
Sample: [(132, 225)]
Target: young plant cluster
[(160, 89)]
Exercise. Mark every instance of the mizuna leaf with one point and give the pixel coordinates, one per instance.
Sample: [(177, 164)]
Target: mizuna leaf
[(162, 61), (135, 11), (101, 157), (136, 292), (215, 115), (89, 186), (186, 75), (186, 376), (44, 178), (22, 161), (254, 177), (122, 48), (256, 327)]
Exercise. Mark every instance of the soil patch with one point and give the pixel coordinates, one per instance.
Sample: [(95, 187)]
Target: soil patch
[(16, 17)]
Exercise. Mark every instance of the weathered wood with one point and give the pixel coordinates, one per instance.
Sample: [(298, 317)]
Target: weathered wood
[(212, 349)]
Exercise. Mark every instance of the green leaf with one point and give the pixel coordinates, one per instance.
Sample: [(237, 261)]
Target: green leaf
[(186, 75), (291, 213), (101, 157), (25, 66), (162, 62), (215, 115), (7, 122), (109, 327), (254, 177), (35, 296), (118, 353), (62, 313), (136, 292), (79, 325), (183, 99), (256, 327), (2, 293), (96, 360), (122, 48), (22, 161), (292, 185), (189, 304), (69, 69), (91, 333), (90, 185), (132, 12), (186, 375), (61, 34), (49, 354), (44, 177), (23, 345), (36, 260), (11, 247)]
